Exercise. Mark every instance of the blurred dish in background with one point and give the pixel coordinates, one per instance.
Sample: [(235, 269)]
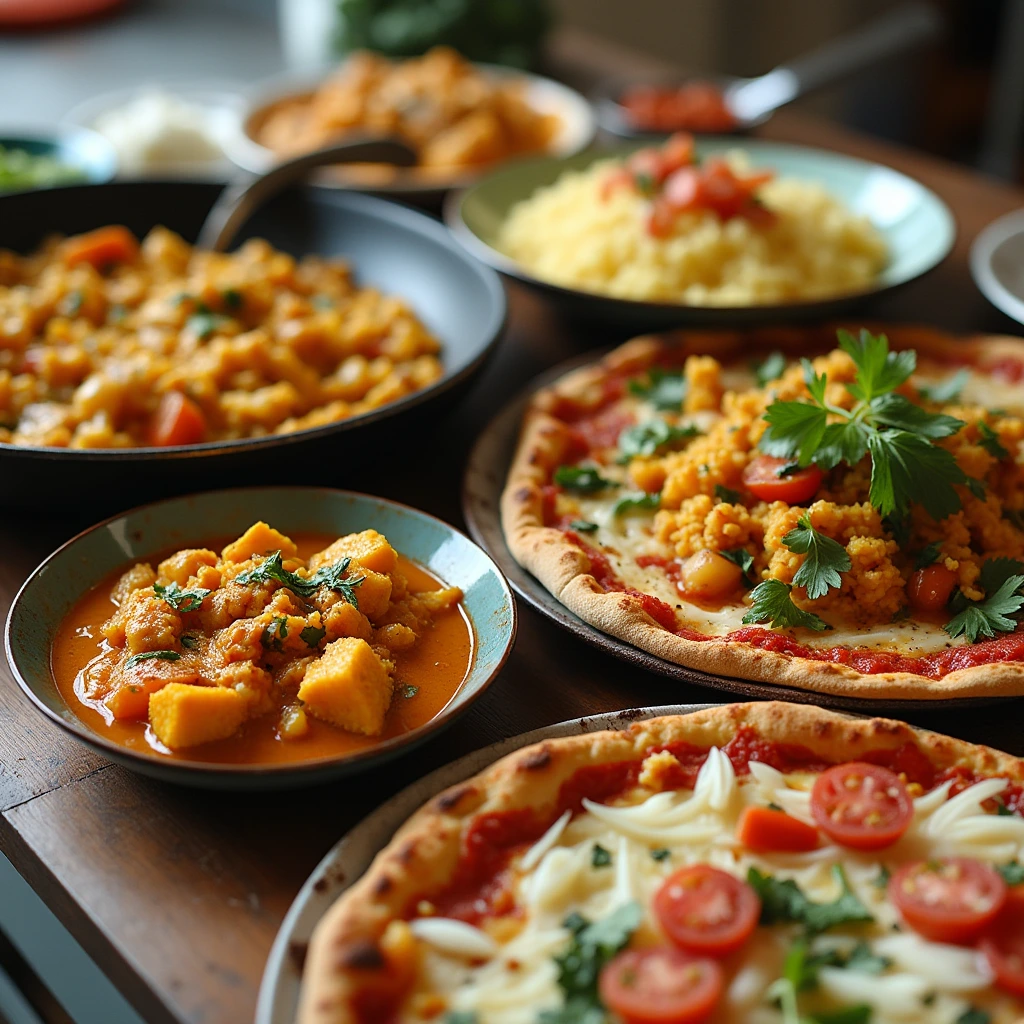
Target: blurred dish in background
[(695, 106), (997, 264), (48, 159), (177, 129)]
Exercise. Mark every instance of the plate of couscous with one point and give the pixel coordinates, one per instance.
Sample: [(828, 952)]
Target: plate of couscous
[(705, 231)]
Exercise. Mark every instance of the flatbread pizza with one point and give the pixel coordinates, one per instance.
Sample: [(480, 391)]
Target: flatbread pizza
[(839, 510), (761, 863)]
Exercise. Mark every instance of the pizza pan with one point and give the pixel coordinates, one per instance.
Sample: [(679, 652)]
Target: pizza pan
[(482, 485), (352, 855)]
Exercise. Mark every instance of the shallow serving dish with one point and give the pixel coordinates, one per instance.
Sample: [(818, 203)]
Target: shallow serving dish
[(86, 152), (997, 264), (916, 224), (544, 94), (398, 250), (86, 560), (352, 855)]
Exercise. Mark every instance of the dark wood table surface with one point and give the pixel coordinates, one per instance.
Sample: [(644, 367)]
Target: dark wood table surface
[(177, 894)]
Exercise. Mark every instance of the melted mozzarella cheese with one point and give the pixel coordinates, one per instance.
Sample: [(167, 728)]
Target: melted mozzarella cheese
[(927, 983)]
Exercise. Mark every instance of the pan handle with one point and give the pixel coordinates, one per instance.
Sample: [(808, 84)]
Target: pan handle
[(242, 197)]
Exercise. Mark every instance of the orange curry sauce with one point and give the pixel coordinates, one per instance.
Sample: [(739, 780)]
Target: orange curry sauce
[(436, 667)]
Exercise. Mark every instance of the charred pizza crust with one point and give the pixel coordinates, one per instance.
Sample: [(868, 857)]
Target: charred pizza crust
[(345, 954), (565, 570)]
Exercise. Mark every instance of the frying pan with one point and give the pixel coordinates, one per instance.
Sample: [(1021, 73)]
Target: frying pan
[(395, 249)]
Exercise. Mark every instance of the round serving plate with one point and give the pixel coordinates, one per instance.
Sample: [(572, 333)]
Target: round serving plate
[(84, 151), (483, 483), (152, 530), (352, 855), (390, 247), (997, 264), (916, 224), (577, 128)]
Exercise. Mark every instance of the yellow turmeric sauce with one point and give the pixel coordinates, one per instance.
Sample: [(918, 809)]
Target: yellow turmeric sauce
[(427, 677)]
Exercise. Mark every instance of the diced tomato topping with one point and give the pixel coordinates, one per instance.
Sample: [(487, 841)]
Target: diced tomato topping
[(766, 830), (1003, 945), (762, 479), (930, 589), (177, 420), (661, 986), (693, 106), (101, 248), (948, 899), (863, 806), (705, 910)]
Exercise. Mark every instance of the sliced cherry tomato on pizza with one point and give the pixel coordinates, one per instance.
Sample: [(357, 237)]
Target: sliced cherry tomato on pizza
[(863, 806), (661, 985), (705, 910), (1003, 945), (765, 830), (949, 899), (763, 480), (930, 588)]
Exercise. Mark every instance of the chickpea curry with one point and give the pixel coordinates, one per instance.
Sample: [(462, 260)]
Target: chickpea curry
[(109, 343), (274, 650)]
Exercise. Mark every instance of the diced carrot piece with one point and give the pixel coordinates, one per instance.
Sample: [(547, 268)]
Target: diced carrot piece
[(177, 420), (102, 247), (765, 830)]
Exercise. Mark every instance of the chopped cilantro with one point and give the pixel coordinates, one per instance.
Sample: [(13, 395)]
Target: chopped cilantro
[(181, 600), (771, 369), (650, 437), (927, 556), (189, 642), (825, 559), (583, 526), (947, 390), (600, 857), (664, 389), (312, 635), (728, 494), (990, 442), (662, 853), (783, 900), (153, 655), (584, 479), (636, 500), (771, 602), (274, 632), (331, 576)]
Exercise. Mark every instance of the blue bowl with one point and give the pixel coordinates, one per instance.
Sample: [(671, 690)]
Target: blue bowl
[(84, 151), (86, 560)]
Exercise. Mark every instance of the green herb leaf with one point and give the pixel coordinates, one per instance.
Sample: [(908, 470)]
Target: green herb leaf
[(636, 500), (881, 881), (153, 655), (600, 857), (274, 632), (1015, 517), (73, 303), (947, 390), (927, 556), (461, 1017), (727, 494), (771, 369), (1002, 810), (1013, 872), (202, 325), (878, 369), (906, 467), (772, 603), (650, 437), (901, 414), (312, 635), (181, 600), (583, 526), (784, 901), (996, 571), (408, 690), (744, 559), (990, 442), (795, 431), (584, 479), (232, 297), (664, 389), (862, 959), (662, 853), (859, 1014), (974, 1015), (189, 642), (644, 183), (334, 577), (826, 559), (991, 616), (846, 441)]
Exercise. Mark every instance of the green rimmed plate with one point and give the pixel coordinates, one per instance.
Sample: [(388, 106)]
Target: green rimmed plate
[(60, 581), (918, 228)]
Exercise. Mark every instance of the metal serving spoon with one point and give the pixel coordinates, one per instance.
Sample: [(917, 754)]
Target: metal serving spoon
[(248, 192), (752, 100)]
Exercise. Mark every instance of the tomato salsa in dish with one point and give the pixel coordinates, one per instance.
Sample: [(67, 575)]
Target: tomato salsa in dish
[(278, 649)]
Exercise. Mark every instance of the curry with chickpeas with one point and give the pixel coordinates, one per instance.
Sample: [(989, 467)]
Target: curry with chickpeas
[(109, 343), (276, 649)]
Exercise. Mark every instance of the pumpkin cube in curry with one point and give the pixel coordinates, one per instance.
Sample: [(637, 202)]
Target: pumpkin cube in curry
[(369, 548), (373, 595), (259, 539), (348, 687), (183, 715)]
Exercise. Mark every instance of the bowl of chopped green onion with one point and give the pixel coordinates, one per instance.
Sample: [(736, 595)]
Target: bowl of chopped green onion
[(31, 160)]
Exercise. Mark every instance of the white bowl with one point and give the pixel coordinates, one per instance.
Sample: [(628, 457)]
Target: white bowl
[(997, 264)]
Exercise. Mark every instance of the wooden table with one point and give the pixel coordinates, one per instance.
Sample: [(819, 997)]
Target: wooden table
[(177, 894)]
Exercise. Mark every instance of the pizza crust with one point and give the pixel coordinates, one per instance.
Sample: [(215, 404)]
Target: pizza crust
[(423, 855), (564, 569)]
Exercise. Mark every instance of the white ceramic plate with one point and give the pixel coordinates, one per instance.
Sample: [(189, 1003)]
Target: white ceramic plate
[(349, 859), (997, 264)]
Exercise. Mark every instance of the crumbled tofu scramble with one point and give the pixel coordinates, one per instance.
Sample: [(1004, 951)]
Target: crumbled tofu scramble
[(105, 343), (705, 504), (206, 641)]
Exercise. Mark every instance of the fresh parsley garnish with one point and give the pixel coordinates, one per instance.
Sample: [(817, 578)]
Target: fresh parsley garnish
[(1015, 517), (189, 642), (947, 390), (664, 389), (274, 632), (771, 369), (859, 1014), (334, 577), (650, 437), (312, 635), (202, 325), (825, 559), (905, 466), (636, 500), (974, 1015), (583, 526), (584, 479), (408, 691), (727, 494), (772, 602), (1013, 872), (744, 559), (989, 440), (927, 556), (782, 900), (591, 947), (153, 655), (600, 857), (232, 298), (181, 600), (1002, 580), (662, 853)]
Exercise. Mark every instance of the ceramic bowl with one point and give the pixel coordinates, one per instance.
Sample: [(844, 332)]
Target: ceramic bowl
[(86, 152), (85, 561), (997, 264), (918, 228)]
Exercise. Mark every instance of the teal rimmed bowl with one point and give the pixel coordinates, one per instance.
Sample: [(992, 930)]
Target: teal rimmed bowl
[(918, 228), (86, 560)]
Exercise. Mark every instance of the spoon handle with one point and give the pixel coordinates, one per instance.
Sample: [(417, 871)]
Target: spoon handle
[(899, 30), (242, 197)]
